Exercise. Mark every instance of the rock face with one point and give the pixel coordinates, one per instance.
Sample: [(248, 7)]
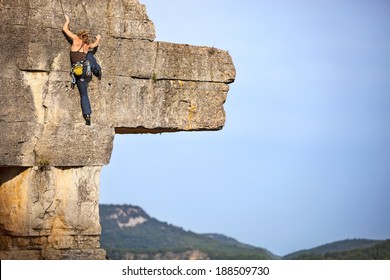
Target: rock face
[(50, 161), (50, 213)]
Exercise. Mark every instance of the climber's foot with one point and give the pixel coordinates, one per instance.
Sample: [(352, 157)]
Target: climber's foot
[(99, 75), (88, 119)]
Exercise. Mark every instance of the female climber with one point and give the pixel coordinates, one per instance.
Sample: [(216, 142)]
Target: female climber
[(83, 63)]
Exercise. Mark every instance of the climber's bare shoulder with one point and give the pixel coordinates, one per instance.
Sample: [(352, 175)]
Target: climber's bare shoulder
[(77, 44)]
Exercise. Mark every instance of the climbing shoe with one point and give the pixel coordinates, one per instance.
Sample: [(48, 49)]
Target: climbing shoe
[(99, 75), (88, 119)]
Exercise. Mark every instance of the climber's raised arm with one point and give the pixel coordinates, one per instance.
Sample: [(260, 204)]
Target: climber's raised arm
[(65, 28), (96, 43)]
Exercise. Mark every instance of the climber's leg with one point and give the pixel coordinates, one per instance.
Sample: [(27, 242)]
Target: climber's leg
[(82, 85), (95, 67)]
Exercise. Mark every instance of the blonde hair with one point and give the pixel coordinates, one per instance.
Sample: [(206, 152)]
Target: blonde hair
[(83, 35)]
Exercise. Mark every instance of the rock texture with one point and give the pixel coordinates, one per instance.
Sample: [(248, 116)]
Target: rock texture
[(50, 213), (50, 161)]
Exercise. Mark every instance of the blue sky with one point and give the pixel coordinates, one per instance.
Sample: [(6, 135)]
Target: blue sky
[(304, 157)]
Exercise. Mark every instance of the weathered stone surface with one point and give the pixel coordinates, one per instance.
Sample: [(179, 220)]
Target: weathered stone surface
[(59, 204), (50, 161), (91, 146), (190, 63), (170, 105)]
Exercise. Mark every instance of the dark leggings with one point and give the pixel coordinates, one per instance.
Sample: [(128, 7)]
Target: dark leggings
[(82, 84)]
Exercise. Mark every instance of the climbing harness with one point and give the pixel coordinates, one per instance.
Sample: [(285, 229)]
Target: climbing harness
[(80, 70)]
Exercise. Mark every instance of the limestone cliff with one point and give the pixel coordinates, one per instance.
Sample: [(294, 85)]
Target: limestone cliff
[(50, 161)]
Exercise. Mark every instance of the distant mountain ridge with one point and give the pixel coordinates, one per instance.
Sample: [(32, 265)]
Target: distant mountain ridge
[(350, 249), (128, 232), (338, 246)]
